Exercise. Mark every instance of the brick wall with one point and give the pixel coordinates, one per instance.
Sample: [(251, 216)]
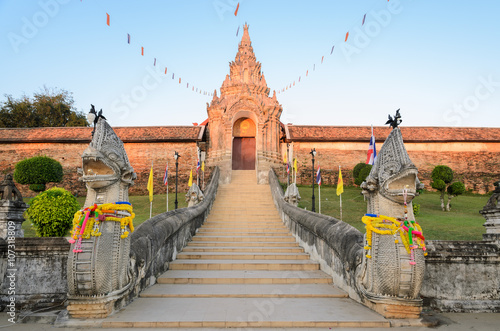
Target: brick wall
[(476, 164), (140, 156)]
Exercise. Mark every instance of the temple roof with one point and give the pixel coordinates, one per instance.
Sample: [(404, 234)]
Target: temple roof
[(410, 134), (84, 134)]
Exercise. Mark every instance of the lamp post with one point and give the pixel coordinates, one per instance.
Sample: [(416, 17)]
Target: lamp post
[(313, 153), (176, 157)]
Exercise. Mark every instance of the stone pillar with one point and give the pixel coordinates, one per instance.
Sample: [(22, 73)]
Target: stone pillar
[(491, 212), (12, 208)]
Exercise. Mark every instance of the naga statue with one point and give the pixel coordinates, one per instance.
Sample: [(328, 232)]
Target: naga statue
[(392, 269), (98, 261), (194, 195), (292, 195)]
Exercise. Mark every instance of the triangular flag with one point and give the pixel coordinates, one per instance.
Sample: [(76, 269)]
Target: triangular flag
[(179, 80), (150, 184), (236, 11), (237, 31), (107, 19), (173, 75), (190, 183), (154, 64), (307, 73), (128, 38), (340, 184), (322, 59), (142, 51), (364, 17), (332, 49), (346, 36), (165, 70)]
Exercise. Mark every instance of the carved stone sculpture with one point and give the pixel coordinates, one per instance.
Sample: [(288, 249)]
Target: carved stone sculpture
[(98, 267), (491, 212), (391, 276), (194, 195), (292, 195), (12, 208)]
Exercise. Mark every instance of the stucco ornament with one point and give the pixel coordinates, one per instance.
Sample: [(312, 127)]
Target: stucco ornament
[(194, 195), (292, 195), (392, 274), (98, 265)]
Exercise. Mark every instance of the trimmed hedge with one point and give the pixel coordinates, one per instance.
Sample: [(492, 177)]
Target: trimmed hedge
[(38, 171)]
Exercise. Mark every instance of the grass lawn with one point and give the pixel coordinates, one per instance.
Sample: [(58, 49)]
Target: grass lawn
[(463, 222)]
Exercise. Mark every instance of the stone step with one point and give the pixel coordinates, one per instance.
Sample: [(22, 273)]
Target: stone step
[(241, 225), (241, 256), (243, 291), (244, 277), (243, 249), (245, 312), (283, 265), (249, 233), (262, 239), (241, 244), (240, 231)]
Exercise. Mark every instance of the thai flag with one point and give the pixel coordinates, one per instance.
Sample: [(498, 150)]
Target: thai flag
[(318, 176), (287, 167), (165, 176), (198, 166), (372, 152)]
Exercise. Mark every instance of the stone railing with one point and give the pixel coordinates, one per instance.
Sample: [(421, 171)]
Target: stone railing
[(156, 242), (336, 245)]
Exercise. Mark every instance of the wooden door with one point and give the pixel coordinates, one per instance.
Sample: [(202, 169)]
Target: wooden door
[(243, 153)]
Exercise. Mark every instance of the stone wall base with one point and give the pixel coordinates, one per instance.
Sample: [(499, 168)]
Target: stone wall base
[(90, 310), (396, 311)]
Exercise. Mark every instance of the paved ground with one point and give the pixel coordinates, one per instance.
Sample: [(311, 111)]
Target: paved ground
[(448, 322)]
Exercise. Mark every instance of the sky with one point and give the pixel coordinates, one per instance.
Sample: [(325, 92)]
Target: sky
[(438, 61)]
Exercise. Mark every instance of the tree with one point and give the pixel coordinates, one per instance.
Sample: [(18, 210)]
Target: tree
[(442, 178), (52, 212), (360, 172), (47, 108), (38, 171)]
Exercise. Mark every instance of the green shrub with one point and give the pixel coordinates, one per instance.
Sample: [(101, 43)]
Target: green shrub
[(357, 169), (362, 172), (38, 171), (442, 176), (52, 211), (416, 209)]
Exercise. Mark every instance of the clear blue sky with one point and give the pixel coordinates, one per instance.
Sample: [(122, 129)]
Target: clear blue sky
[(439, 61)]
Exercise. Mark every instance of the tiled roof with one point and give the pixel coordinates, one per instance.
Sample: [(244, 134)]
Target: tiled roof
[(83, 134), (410, 134)]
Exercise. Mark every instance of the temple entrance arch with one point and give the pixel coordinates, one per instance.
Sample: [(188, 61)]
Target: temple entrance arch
[(244, 144)]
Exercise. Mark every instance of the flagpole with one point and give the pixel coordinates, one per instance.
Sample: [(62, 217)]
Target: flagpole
[(167, 186), (319, 197), (340, 200), (151, 202)]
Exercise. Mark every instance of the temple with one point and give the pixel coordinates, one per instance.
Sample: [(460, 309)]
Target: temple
[(244, 122)]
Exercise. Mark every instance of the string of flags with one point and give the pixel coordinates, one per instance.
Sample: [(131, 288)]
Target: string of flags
[(292, 84), (197, 90)]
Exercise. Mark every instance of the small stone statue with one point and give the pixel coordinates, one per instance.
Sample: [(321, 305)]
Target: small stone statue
[(292, 195), (194, 195), (493, 201)]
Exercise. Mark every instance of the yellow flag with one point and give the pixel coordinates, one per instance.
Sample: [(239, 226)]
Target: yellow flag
[(295, 165), (190, 183), (150, 184), (203, 166), (285, 158), (340, 184)]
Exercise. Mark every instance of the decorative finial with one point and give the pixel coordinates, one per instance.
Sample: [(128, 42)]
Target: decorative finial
[(394, 123)]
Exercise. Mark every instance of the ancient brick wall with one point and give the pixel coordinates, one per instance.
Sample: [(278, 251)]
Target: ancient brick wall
[(476, 164), (140, 155)]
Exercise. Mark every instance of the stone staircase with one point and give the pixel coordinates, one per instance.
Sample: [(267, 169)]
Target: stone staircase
[(243, 269)]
